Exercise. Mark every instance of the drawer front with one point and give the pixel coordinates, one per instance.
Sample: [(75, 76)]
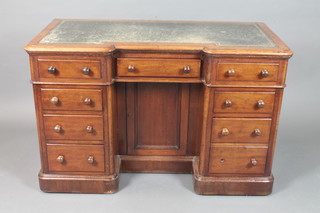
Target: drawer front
[(257, 72), (55, 69), (71, 99), (75, 158), (186, 68), (244, 102), (237, 159), (73, 127), (241, 130)]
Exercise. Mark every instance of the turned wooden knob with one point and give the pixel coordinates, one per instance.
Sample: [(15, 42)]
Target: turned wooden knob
[(186, 69), (54, 100), (260, 104), (52, 70), (231, 72), (257, 132), (57, 128), (89, 129), (87, 101), (131, 68), (228, 103), (253, 162), (90, 160), (86, 70), (225, 132), (264, 74), (60, 159)]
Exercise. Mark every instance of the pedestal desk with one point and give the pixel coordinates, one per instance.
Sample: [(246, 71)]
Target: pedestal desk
[(159, 97)]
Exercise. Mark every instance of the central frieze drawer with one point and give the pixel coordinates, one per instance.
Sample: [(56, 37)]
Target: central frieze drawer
[(131, 67), (244, 102), (237, 159), (75, 158), (73, 127), (241, 130), (71, 99)]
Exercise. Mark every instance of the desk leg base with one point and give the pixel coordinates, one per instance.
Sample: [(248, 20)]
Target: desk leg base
[(207, 185)]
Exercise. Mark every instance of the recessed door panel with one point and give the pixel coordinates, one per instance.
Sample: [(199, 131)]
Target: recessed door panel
[(157, 118)]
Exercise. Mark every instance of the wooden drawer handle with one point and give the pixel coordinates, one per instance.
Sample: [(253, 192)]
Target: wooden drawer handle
[(87, 101), (253, 162), (54, 100), (231, 72), (260, 104), (228, 103), (131, 68), (186, 69), (57, 128), (90, 160), (225, 132), (86, 70), (60, 159), (257, 132), (264, 74), (52, 70), (89, 129)]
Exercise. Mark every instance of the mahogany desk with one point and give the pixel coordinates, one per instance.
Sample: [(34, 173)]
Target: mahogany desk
[(155, 96)]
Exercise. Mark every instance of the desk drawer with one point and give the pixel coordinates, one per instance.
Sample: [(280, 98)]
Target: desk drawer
[(71, 99), (185, 68), (63, 69), (244, 102), (256, 72), (237, 159), (73, 127), (241, 130), (75, 158)]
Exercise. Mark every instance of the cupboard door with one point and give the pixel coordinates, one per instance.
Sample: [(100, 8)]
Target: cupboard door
[(157, 118)]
